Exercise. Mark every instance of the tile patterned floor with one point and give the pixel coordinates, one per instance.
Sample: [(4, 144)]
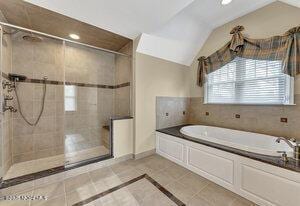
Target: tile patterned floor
[(28, 167), (188, 187)]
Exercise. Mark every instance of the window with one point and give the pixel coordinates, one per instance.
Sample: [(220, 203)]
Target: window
[(248, 81), (70, 98)]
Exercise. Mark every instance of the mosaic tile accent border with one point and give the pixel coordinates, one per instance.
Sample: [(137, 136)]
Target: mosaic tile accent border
[(144, 176), (53, 82)]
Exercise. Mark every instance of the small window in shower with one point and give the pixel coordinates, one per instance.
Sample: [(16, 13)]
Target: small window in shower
[(70, 98)]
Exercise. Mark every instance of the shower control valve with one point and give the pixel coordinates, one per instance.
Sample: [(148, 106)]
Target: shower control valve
[(8, 97), (10, 90), (9, 108), (8, 84), (284, 156)]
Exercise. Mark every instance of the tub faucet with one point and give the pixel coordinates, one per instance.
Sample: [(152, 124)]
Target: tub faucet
[(295, 147)]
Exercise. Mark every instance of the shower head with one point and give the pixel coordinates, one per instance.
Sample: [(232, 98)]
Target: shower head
[(32, 38)]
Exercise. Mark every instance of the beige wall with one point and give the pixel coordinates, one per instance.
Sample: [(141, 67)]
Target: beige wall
[(274, 19), (123, 137), (154, 77)]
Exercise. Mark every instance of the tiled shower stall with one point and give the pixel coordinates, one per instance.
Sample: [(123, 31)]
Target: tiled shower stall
[(85, 87)]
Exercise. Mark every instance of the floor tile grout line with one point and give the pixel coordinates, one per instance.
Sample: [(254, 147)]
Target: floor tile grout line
[(177, 181), (235, 199), (32, 192), (199, 191), (65, 193), (111, 190), (125, 184), (165, 191), (92, 181), (53, 197)]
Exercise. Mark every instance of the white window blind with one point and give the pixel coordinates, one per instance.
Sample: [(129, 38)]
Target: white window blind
[(248, 81), (70, 98)]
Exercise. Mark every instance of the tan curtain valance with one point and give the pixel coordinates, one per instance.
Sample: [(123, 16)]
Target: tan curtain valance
[(285, 48)]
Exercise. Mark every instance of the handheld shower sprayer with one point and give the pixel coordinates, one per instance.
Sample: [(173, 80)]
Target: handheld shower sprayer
[(17, 78)]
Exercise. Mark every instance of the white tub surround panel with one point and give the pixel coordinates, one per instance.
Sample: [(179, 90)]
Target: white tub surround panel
[(276, 186), (264, 184), (212, 163)]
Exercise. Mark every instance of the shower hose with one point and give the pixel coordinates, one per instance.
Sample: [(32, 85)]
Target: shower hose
[(42, 108)]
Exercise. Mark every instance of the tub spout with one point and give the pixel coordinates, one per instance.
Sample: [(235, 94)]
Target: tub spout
[(296, 147), (285, 140)]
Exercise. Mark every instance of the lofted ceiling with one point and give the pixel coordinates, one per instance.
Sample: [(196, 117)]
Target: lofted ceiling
[(174, 30), (183, 36)]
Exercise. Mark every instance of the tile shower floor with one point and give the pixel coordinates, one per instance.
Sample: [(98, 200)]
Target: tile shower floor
[(100, 187), (28, 167)]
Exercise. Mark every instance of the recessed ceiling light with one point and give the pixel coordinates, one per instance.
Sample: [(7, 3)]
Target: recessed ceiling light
[(74, 36), (225, 2)]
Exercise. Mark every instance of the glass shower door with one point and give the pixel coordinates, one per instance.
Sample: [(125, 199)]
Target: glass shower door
[(88, 97), (65, 99), (34, 136)]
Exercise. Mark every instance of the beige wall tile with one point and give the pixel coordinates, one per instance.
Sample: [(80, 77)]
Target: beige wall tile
[(123, 74), (94, 105), (23, 144), (23, 157), (170, 111), (260, 119)]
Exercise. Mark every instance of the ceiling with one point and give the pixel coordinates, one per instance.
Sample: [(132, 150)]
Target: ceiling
[(129, 18), (292, 2), (174, 30), (33, 17), (183, 36)]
